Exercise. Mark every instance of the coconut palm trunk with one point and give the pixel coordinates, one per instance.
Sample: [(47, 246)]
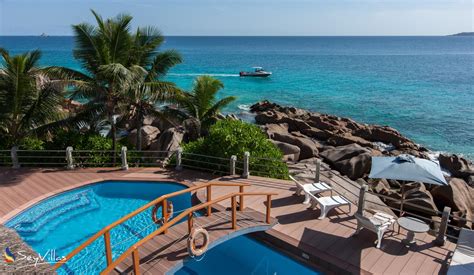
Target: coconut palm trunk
[(139, 124)]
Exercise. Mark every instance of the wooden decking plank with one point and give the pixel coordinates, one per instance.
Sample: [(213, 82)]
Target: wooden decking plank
[(155, 257)]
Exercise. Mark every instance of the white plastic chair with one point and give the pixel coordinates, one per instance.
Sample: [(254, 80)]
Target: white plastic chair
[(379, 224), (326, 204), (462, 261), (313, 188)]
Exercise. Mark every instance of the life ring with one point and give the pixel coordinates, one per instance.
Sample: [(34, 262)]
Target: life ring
[(162, 220), (192, 249)]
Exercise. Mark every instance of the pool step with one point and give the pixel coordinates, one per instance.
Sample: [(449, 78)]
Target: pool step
[(35, 223), (39, 231), (42, 209)]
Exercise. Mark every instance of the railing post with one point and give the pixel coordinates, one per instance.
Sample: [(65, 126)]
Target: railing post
[(234, 212), (233, 159), (246, 165), (69, 159), (136, 262), (441, 237), (361, 203), (241, 198), (209, 198), (14, 155), (164, 214), (123, 156), (190, 222), (179, 154), (317, 174), (269, 206), (108, 248)]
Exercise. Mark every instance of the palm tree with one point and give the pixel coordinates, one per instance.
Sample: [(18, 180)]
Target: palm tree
[(200, 105), (30, 102), (142, 98), (112, 57)]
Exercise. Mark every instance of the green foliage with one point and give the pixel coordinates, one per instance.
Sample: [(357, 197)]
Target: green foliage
[(230, 137), (30, 101), (201, 103), (32, 143), (81, 142), (120, 70)]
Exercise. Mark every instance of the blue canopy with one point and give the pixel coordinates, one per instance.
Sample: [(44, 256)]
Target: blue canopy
[(407, 168)]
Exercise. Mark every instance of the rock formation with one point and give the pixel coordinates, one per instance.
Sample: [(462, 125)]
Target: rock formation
[(347, 146)]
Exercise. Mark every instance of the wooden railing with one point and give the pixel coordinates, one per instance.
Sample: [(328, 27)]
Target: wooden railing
[(133, 250), (105, 232)]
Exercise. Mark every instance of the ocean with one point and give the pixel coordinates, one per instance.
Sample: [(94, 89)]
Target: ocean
[(422, 86)]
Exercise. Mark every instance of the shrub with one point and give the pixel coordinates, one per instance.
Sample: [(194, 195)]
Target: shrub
[(82, 142), (230, 137)]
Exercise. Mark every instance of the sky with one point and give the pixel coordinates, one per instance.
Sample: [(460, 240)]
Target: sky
[(247, 17)]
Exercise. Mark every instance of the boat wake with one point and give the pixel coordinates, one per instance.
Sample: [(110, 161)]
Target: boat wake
[(211, 74), (244, 107)]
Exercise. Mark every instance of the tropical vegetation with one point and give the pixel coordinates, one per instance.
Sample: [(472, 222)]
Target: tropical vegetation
[(234, 137), (118, 66), (30, 101), (200, 107), (121, 83)]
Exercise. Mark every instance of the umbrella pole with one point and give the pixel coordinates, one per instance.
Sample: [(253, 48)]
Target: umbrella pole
[(403, 199)]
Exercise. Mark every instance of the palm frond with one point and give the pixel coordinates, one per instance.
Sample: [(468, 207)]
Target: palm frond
[(162, 63), (218, 106)]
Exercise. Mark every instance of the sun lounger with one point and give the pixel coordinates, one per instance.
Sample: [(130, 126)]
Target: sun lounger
[(327, 203), (463, 257), (378, 223), (313, 188)]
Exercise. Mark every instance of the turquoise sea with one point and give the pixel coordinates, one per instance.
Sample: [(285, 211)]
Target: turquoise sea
[(423, 86)]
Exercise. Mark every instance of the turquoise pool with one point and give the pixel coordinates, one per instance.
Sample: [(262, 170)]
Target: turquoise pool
[(244, 255), (59, 224)]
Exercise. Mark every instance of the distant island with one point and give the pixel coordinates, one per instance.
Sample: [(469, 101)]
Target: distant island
[(463, 34)]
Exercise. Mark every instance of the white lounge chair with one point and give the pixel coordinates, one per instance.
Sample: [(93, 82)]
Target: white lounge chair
[(313, 188), (378, 223), (462, 261), (327, 203)]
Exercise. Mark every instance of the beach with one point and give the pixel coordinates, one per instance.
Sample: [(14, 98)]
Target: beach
[(420, 86)]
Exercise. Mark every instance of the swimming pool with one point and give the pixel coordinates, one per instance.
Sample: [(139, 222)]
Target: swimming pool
[(59, 224), (244, 255)]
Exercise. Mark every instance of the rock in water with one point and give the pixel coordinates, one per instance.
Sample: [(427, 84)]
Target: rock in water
[(458, 167)]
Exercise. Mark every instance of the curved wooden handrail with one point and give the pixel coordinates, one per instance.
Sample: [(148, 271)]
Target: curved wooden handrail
[(105, 231), (134, 247)]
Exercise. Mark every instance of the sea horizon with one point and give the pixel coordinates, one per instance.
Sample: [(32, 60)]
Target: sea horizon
[(366, 78)]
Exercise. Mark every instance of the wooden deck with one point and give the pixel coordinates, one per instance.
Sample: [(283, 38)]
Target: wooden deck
[(326, 243), (165, 253)]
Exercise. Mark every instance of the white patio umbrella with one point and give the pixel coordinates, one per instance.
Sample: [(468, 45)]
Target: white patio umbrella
[(407, 168)]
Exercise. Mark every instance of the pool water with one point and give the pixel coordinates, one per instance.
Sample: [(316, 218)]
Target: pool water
[(59, 224), (244, 255)]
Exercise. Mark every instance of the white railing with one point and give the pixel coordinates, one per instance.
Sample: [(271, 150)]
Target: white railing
[(70, 159)]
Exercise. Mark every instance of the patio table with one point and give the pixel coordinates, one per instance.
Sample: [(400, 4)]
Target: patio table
[(412, 225)]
